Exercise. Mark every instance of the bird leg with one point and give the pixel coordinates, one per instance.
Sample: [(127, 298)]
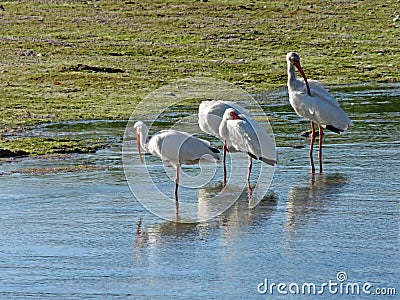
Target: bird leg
[(312, 147), (224, 161), (249, 192), (321, 133), (312, 180), (138, 147), (176, 183), (250, 166)]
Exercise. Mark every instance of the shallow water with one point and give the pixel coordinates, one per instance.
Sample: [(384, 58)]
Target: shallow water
[(74, 235)]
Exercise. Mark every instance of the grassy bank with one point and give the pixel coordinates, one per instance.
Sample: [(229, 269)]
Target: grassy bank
[(72, 60)]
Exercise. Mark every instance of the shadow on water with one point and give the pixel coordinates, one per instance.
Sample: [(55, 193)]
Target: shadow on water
[(308, 200)]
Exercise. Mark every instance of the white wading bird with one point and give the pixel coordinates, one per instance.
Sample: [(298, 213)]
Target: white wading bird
[(311, 100), (210, 118), (177, 147), (244, 137)]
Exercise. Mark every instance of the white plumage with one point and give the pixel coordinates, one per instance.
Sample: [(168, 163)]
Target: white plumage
[(311, 100), (245, 137), (320, 108), (317, 104), (211, 114), (177, 147)]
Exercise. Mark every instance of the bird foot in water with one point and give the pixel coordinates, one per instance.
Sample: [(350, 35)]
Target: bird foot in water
[(307, 133)]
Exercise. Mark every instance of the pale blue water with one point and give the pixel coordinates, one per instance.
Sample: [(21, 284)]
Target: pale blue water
[(73, 235)]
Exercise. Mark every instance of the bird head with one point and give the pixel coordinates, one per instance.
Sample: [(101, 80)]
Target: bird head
[(138, 126), (292, 56), (294, 59), (231, 114)]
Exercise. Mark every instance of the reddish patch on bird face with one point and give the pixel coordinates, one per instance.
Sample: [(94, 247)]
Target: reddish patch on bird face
[(235, 116)]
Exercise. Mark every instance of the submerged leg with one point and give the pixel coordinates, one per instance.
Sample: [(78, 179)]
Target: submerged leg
[(249, 192), (176, 191), (250, 166), (321, 133), (176, 183), (224, 161), (312, 179), (312, 147)]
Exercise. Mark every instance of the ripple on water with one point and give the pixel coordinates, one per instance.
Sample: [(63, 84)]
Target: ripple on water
[(73, 235)]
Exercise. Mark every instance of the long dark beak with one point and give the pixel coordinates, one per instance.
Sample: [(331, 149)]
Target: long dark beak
[(138, 146), (296, 63)]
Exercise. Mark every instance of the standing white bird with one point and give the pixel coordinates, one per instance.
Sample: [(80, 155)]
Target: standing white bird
[(210, 117), (212, 112), (311, 100), (177, 147), (245, 137)]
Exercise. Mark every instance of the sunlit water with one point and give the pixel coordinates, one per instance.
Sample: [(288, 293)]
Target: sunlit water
[(74, 235)]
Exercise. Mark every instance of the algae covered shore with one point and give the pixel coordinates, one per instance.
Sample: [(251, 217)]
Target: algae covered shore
[(94, 60)]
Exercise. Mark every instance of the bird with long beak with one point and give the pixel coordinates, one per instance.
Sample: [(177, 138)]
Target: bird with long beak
[(311, 100), (177, 147)]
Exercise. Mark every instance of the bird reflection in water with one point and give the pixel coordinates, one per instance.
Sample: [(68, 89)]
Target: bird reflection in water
[(231, 222), (308, 200)]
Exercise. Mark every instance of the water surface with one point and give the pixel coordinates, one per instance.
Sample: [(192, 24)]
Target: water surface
[(73, 235)]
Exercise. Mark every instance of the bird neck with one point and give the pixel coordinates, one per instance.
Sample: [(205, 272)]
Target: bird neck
[(223, 129), (291, 75), (144, 137), (293, 83)]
